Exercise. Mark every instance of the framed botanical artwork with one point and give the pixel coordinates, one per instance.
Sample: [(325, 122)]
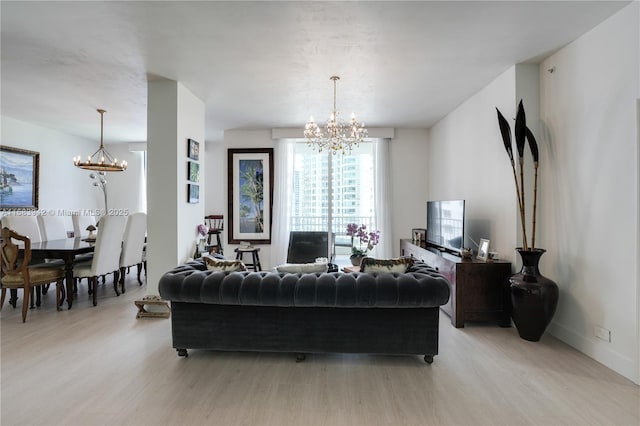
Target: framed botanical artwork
[(193, 171), (250, 196), (193, 149), (193, 193), (19, 178), (483, 249)]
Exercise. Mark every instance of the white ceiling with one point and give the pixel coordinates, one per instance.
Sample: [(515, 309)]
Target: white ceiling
[(267, 64)]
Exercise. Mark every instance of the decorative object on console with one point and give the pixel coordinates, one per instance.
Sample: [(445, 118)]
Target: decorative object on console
[(534, 298), (367, 241), (483, 249), (101, 160), (418, 235), (466, 253), (338, 135)]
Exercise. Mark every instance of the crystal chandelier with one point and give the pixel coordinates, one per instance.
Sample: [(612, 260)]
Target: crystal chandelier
[(338, 135), (101, 160)]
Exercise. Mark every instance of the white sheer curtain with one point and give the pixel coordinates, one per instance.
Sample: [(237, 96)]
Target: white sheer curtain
[(382, 198), (283, 188)]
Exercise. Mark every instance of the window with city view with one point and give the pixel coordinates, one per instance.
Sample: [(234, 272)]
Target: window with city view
[(350, 181)]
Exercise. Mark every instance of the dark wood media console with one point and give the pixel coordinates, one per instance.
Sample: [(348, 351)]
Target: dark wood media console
[(479, 290)]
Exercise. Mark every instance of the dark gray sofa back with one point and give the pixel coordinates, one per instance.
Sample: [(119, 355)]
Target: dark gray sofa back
[(420, 286)]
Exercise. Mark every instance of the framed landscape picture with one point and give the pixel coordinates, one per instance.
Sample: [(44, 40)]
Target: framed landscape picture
[(193, 193), (250, 195), (193, 149), (19, 175)]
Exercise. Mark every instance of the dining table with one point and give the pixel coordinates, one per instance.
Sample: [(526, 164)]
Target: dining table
[(66, 249)]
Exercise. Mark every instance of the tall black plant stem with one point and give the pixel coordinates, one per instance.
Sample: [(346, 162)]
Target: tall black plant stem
[(520, 194)]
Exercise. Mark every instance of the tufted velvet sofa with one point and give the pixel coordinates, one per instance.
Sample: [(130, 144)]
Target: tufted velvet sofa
[(381, 313)]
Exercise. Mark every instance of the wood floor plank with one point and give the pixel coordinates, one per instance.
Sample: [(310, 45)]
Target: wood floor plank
[(102, 366)]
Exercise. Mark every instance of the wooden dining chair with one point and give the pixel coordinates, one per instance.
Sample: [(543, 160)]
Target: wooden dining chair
[(17, 273), (106, 256), (133, 246), (215, 223)]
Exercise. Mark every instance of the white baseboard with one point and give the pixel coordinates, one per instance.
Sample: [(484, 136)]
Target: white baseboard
[(619, 363)]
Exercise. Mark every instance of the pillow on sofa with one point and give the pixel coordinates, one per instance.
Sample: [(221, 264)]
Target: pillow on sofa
[(401, 264), (305, 268), (215, 264)]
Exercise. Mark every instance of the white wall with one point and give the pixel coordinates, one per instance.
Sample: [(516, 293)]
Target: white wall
[(62, 185), (590, 198), (467, 160), (124, 190), (409, 183)]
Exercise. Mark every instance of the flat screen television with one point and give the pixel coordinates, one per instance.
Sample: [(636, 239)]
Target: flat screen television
[(445, 224)]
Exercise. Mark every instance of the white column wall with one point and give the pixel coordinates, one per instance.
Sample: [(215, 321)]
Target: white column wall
[(589, 210), (173, 116)]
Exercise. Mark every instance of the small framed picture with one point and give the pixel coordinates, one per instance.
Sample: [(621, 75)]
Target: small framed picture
[(193, 193), (418, 235), (483, 249), (193, 149), (193, 172)]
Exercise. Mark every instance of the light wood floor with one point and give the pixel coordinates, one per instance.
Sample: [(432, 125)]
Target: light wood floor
[(100, 365)]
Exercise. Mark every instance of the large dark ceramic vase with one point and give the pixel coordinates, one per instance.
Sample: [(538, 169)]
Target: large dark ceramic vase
[(534, 297)]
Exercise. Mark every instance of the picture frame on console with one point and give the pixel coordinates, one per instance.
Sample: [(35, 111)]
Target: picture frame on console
[(483, 250), (19, 178), (250, 195), (419, 235)]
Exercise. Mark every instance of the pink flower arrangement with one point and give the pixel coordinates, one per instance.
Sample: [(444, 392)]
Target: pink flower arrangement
[(367, 240), (203, 230)]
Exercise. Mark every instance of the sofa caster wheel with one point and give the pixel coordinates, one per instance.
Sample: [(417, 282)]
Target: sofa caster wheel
[(182, 352), (300, 357), (428, 359)]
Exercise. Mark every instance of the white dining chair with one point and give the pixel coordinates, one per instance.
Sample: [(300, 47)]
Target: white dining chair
[(106, 256), (54, 227), (133, 245), (24, 225)]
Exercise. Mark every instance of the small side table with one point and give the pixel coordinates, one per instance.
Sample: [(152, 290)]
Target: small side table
[(240, 251)]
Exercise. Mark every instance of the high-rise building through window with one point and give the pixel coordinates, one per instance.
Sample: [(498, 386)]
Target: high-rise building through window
[(348, 178)]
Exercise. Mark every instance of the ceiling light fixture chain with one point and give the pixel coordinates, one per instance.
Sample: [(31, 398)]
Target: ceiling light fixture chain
[(338, 135), (101, 160)]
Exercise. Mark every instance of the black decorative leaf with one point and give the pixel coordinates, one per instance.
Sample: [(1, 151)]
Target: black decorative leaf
[(533, 145), (520, 130), (505, 129)]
